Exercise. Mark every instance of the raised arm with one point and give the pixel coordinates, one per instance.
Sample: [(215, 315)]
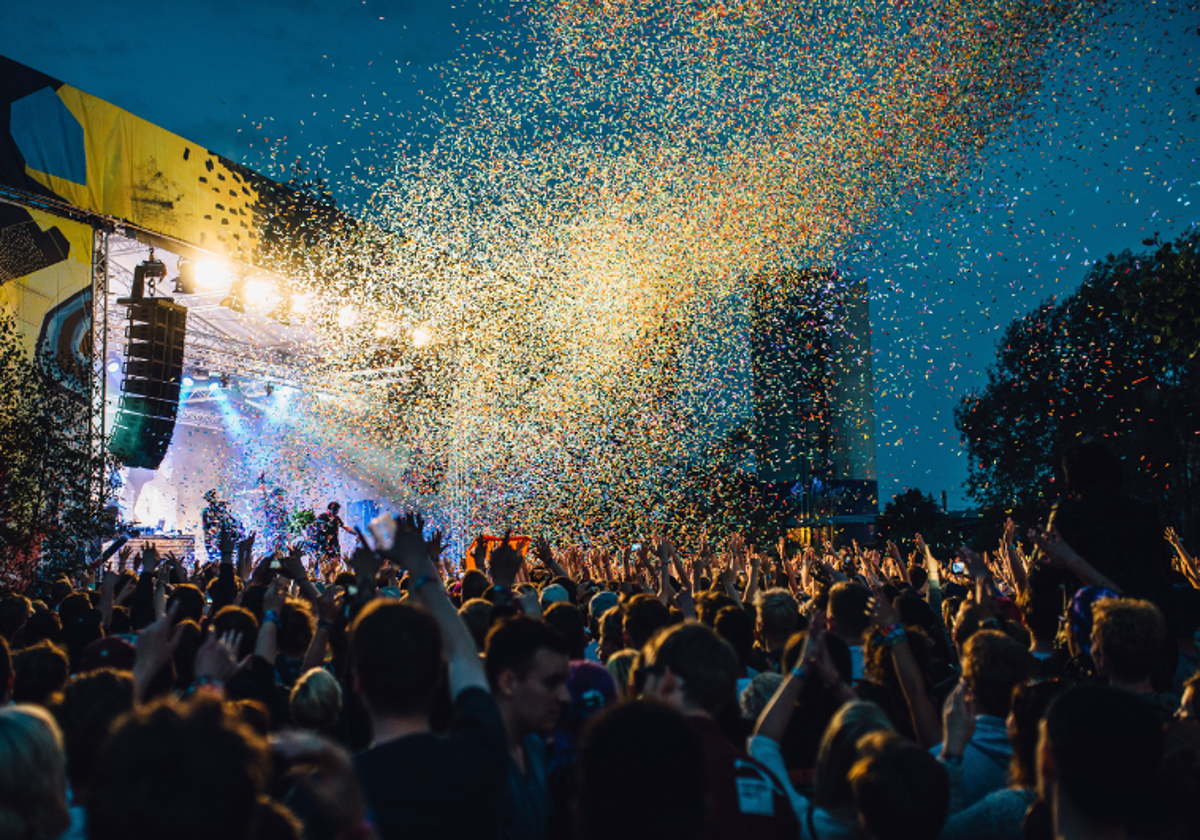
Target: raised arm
[(926, 724), (1056, 552), (411, 551)]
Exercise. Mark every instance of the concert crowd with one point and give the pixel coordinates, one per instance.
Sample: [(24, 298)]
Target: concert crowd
[(375, 687)]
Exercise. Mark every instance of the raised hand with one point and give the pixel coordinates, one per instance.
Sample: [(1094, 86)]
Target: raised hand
[(506, 561), (958, 721), (216, 660)]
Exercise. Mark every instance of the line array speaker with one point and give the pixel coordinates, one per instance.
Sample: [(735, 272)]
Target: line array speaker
[(150, 388)]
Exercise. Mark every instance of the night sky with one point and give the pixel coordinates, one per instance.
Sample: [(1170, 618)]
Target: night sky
[(1108, 159)]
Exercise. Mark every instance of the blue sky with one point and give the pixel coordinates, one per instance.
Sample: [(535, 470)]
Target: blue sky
[(1108, 160)]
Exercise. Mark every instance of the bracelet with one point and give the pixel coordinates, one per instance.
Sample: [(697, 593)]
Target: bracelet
[(895, 637), (952, 760), (800, 672), (419, 582), (270, 616)]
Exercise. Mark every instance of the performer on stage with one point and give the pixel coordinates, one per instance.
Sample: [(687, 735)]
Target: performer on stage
[(326, 539), (275, 520), (215, 519)]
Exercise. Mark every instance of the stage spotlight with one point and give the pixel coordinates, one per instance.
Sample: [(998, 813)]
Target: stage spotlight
[(347, 316), (258, 291), (303, 304), (385, 329), (113, 367), (213, 386), (422, 337), (207, 275), (185, 283), (282, 313), (188, 382), (236, 299)]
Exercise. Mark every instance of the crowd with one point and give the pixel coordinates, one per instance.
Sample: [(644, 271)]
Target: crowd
[(1048, 689)]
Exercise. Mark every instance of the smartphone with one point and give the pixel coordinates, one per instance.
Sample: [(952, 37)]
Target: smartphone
[(275, 564), (635, 547), (957, 567)]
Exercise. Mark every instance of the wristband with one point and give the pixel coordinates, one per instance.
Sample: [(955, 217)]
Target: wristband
[(895, 637), (270, 616), (800, 672), (952, 760), (419, 582)]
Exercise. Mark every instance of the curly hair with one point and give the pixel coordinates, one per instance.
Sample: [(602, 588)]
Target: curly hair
[(1126, 633)]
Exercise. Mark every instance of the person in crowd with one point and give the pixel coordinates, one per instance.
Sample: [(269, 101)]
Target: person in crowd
[(316, 701), (1127, 633), (691, 668), (1097, 760), (993, 665), (33, 781), (528, 668), (1001, 814), (778, 619), (90, 705), (900, 791), (649, 748), (416, 782), (849, 618)]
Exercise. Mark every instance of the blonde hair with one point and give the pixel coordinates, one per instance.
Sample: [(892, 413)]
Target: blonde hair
[(839, 752), (33, 775), (316, 700)]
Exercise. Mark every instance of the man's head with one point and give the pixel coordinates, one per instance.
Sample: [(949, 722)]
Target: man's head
[(527, 668), (641, 745), (1090, 466), (849, 611), (190, 600), (692, 668), (90, 704), (1041, 605), (644, 616), (901, 791), (1099, 753), (1126, 635), (334, 507), (778, 615), (993, 664), (191, 771), (396, 653)]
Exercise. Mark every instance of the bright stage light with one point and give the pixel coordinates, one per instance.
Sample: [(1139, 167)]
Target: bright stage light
[(208, 275), (113, 367), (258, 291), (188, 382), (385, 329), (422, 337), (347, 316), (213, 386), (303, 304)]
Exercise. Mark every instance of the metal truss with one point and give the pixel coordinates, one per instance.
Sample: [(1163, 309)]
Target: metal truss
[(97, 434)]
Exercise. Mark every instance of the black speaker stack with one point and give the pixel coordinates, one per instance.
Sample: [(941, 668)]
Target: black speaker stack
[(153, 373)]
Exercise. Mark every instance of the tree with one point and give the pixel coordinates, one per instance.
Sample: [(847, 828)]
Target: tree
[(908, 514), (1086, 366), (50, 514)]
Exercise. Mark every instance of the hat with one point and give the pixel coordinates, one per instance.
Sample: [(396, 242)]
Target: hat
[(552, 594), (109, 652), (602, 602)]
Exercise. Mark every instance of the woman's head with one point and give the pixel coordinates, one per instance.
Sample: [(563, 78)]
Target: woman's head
[(1029, 705), (839, 751), (33, 778), (316, 701)]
